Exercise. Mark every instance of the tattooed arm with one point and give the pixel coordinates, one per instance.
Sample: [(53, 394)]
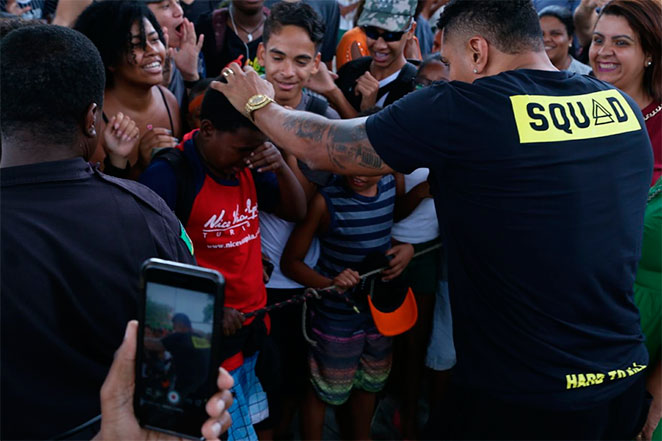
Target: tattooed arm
[(340, 146)]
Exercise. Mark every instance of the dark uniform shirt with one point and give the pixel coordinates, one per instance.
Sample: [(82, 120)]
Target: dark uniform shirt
[(73, 241)]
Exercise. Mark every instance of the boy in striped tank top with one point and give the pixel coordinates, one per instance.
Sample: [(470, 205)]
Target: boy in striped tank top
[(351, 360)]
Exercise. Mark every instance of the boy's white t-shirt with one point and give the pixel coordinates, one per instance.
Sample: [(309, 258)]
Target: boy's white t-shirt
[(422, 224)]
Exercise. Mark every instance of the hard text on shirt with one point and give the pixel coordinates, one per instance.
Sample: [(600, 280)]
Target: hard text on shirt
[(574, 381), (542, 118)]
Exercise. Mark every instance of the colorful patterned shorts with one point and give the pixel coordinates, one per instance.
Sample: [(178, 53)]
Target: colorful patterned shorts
[(350, 353)]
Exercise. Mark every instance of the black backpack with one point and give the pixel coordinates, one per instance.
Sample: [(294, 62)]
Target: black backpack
[(184, 176)]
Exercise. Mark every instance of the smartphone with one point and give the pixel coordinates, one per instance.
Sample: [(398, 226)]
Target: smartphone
[(179, 342)]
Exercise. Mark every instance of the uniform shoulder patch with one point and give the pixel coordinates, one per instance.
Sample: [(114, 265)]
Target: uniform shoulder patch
[(183, 235)]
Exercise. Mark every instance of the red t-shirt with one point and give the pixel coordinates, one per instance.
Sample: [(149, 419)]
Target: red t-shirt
[(225, 231), (654, 127)]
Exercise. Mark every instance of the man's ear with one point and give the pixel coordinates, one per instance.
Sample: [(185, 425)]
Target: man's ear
[(479, 49), (316, 63), (90, 121), (261, 53)]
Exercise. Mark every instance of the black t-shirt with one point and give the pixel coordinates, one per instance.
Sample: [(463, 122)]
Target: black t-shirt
[(232, 48), (190, 357), (73, 241), (540, 180), (198, 8)]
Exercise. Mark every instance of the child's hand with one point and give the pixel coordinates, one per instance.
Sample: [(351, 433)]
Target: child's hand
[(402, 255), (346, 279), (266, 158), (120, 137), (155, 138), (233, 320)]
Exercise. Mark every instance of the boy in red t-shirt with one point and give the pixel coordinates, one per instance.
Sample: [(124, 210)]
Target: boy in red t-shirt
[(217, 197)]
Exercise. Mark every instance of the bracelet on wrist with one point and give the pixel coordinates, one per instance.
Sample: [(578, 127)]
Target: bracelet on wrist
[(110, 169), (190, 84)]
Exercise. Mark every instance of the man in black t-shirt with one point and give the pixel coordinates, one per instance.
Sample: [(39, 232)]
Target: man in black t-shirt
[(190, 355), (540, 178)]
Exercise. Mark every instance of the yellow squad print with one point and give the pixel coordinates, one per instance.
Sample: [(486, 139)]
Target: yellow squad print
[(542, 118)]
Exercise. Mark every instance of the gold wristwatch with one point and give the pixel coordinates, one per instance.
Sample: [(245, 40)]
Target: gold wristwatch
[(256, 102)]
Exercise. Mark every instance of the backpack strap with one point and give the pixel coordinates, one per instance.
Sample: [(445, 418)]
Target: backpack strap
[(219, 22), (401, 86), (184, 177), (317, 105)]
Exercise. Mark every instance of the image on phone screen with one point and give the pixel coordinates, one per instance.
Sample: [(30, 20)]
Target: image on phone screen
[(177, 347)]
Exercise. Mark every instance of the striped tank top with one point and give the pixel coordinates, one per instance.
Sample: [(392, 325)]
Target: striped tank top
[(360, 225)]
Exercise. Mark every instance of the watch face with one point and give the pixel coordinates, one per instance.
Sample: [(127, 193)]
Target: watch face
[(255, 100)]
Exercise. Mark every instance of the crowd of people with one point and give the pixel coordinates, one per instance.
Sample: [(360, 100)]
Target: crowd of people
[(454, 206)]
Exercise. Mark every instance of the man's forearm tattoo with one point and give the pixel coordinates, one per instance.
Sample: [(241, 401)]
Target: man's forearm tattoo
[(346, 142), (305, 128)]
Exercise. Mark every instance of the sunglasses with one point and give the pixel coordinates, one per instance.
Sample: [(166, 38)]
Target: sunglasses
[(374, 33)]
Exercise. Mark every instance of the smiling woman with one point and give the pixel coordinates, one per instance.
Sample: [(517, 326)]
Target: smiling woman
[(132, 48), (626, 53), (557, 33)]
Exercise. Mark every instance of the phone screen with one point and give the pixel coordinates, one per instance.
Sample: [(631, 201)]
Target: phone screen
[(177, 371)]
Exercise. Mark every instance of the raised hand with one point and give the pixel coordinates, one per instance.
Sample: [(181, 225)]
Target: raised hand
[(266, 158), (323, 81), (120, 137), (186, 57), (367, 86), (155, 138)]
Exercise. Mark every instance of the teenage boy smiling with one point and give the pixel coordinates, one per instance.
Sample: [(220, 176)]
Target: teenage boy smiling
[(289, 52), (384, 76)]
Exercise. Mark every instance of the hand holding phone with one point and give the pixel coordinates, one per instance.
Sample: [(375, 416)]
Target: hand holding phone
[(118, 420), (179, 342)]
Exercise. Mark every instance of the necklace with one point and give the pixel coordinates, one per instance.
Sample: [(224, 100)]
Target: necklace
[(655, 190), (653, 113), (249, 33)]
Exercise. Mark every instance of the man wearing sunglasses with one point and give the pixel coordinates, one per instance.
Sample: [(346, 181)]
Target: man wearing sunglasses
[(384, 76)]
